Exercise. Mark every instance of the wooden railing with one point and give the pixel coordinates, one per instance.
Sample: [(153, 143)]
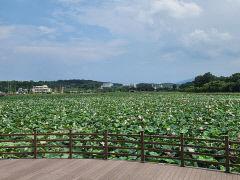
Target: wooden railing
[(144, 145)]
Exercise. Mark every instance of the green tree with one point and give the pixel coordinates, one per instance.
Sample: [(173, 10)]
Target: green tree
[(201, 80), (174, 87), (186, 85), (234, 77), (145, 87)]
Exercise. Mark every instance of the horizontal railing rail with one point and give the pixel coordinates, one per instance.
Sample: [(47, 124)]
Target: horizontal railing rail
[(144, 146)]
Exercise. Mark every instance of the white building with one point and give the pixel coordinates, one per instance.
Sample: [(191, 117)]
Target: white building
[(130, 85), (22, 91), (106, 85), (41, 89), (157, 86)]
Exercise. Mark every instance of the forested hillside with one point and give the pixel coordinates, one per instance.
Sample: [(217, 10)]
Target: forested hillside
[(210, 83)]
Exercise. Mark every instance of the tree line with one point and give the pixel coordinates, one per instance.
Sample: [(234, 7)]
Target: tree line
[(83, 85), (211, 83), (12, 86), (203, 83)]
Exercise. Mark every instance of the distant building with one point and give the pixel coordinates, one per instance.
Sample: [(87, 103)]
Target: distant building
[(2, 94), (157, 86), (22, 91), (130, 85), (106, 85), (41, 89)]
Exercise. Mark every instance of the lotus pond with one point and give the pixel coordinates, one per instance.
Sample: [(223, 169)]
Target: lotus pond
[(195, 115)]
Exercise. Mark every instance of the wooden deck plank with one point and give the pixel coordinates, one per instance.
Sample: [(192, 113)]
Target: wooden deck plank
[(196, 174), (49, 171), (87, 169), (80, 169), (17, 168), (206, 175), (168, 171), (177, 173)]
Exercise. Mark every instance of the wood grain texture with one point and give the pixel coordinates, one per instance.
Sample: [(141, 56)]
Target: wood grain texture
[(62, 169)]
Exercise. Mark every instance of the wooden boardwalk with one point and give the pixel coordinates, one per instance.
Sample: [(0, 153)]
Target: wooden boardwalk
[(90, 169)]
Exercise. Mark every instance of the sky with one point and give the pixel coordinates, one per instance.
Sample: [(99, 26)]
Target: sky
[(124, 41)]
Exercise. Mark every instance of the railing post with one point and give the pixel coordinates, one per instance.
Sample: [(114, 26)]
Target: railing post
[(70, 143), (106, 144), (35, 144), (227, 162), (182, 149), (142, 147)]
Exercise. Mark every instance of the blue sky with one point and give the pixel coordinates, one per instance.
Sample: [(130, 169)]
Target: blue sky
[(122, 41)]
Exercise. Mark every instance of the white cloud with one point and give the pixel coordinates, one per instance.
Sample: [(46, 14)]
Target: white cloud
[(72, 52), (25, 42), (46, 30), (236, 2), (210, 43), (141, 19), (61, 26), (166, 32), (17, 31), (236, 62), (212, 36), (176, 9), (5, 31), (171, 56), (184, 27)]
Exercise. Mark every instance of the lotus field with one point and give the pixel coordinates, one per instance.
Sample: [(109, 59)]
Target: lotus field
[(196, 115)]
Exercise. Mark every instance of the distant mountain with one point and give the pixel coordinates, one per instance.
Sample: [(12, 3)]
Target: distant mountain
[(185, 81)]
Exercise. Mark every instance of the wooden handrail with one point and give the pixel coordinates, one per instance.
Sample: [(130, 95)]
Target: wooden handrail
[(227, 163), (143, 145), (106, 143), (182, 149), (70, 144), (35, 143)]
